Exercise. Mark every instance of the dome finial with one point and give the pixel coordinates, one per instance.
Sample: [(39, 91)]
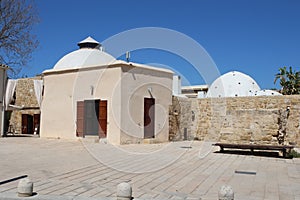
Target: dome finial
[(89, 42)]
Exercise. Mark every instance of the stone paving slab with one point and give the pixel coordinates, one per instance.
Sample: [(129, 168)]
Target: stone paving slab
[(179, 170), (13, 196)]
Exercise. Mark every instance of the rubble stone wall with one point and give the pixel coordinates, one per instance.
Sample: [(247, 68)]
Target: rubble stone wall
[(25, 97), (257, 120)]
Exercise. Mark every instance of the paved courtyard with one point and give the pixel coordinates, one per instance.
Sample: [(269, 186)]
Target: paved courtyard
[(179, 170)]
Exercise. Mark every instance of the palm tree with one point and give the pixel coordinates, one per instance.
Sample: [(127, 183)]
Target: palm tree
[(289, 81), (294, 81), (281, 75)]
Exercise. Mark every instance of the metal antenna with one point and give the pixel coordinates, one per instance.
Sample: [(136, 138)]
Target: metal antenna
[(127, 56)]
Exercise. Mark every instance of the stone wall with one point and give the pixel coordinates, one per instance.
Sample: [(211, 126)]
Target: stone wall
[(24, 97), (257, 120)]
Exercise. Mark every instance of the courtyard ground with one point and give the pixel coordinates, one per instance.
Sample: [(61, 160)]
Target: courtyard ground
[(177, 170)]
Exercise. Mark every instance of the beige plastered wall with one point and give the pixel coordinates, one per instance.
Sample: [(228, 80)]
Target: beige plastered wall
[(62, 91), (137, 84)]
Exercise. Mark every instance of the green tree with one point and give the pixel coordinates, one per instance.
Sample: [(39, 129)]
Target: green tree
[(289, 80), (17, 18)]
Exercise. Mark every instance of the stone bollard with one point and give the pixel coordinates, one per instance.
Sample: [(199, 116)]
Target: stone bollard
[(226, 193), (25, 188), (124, 191)]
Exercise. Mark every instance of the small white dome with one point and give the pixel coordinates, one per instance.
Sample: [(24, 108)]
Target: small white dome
[(233, 84), (267, 93), (88, 55), (84, 58)]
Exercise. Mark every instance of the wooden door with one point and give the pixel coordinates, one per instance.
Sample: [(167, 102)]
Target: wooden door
[(91, 116), (30, 128), (27, 124), (80, 119), (36, 123), (149, 117), (103, 119), (24, 124)]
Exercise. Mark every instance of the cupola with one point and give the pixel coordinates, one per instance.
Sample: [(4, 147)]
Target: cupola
[(89, 43)]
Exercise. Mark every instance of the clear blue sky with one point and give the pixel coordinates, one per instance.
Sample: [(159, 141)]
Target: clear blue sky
[(252, 36)]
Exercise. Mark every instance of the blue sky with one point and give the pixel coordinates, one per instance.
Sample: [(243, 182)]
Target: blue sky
[(255, 37)]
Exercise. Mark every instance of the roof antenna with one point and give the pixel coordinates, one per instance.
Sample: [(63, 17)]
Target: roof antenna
[(127, 56)]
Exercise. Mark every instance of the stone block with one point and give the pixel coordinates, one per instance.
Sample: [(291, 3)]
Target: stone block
[(25, 188), (124, 191), (226, 193)]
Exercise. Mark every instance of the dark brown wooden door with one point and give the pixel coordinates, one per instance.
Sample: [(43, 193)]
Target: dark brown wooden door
[(80, 118), (36, 123), (91, 117), (149, 117), (27, 124), (24, 124), (103, 119)]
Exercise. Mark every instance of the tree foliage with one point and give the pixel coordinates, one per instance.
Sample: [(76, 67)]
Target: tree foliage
[(289, 81), (17, 18)]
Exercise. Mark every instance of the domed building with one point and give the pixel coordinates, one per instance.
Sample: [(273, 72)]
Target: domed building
[(88, 93), (237, 84), (233, 84)]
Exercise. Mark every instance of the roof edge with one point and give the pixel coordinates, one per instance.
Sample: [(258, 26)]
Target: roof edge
[(116, 63)]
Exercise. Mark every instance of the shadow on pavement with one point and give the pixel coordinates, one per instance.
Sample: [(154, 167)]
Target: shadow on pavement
[(20, 135), (255, 153)]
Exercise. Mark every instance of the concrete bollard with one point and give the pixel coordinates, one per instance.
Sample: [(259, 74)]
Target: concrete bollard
[(226, 193), (25, 188), (124, 191)]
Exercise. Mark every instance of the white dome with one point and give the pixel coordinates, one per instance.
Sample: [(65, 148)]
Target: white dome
[(88, 55), (84, 58), (233, 84), (267, 93)]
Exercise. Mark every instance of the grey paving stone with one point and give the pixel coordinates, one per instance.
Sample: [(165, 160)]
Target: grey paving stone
[(64, 169)]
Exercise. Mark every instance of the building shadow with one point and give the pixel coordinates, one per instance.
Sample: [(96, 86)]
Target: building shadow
[(20, 135), (258, 153)]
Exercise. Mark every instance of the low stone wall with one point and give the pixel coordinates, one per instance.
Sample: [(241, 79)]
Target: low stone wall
[(257, 120)]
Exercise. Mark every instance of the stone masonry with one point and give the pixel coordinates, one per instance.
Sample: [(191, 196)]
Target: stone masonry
[(245, 120), (24, 96)]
